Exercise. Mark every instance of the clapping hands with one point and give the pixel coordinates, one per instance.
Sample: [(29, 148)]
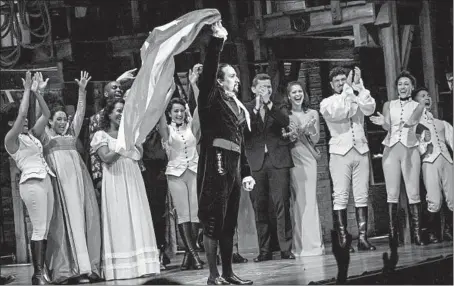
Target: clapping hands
[(39, 83)]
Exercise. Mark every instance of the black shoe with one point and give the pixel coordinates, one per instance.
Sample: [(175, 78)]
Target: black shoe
[(217, 281), (434, 227), (263, 257), (233, 279), (186, 263), (237, 258), (93, 277), (361, 219), (7, 279), (447, 229), (287, 255), (83, 279)]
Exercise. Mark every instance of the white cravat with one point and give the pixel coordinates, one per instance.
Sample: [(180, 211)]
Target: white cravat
[(240, 106)]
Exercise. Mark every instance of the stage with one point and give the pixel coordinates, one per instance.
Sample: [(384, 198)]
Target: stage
[(284, 272)]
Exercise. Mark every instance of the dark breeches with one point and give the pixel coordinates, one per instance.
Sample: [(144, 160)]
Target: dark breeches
[(219, 197)]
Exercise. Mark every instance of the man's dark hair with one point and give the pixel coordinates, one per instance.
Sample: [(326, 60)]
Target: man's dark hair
[(337, 71), (416, 91), (260, 76), (408, 75), (220, 74)]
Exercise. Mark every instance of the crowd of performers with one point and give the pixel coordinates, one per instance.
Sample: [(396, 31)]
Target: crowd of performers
[(216, 148)]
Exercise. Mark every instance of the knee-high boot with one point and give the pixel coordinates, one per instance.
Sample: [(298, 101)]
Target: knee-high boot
[(393, 235), (361, 219), (198, 236), (447, 230), (211, 252), (415, 210), (226, 247), (38, 251), (340, 225), (434, 227), (188, 240)]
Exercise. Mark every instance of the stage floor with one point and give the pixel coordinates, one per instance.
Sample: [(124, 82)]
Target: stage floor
[(284, 272)]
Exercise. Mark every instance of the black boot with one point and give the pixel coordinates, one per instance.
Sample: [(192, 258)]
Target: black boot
[(433, 226), (226, 247), (7, 279), (393, 236), (189, 241), (361, 219), (447, 230), (38, 250), (340, 225), (415, 210), (196, 233), (211, 251)]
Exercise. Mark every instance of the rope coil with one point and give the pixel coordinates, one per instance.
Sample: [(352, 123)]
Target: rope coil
[(15, 14)]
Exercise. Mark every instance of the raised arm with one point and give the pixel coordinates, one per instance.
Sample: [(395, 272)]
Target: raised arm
[(126, 76), (38, 87), (339, 107), (163, 128), (365, 101), (12, 137), (415, 116), (81, 103), (210, 66)]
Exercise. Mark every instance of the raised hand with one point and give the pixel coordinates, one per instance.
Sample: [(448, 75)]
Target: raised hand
[(84, 79), (127, 75), (350, 78), (41, 83), (27, 82), (357, 77), (218, 30), (378, 120), (194, 73)]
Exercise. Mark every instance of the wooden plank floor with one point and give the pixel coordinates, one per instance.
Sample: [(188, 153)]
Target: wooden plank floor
[(284, 272)]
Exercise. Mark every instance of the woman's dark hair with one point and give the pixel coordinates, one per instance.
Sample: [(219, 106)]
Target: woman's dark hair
[(304, 104), (408, 75), (175, 100), (56, 109), (105, 120)]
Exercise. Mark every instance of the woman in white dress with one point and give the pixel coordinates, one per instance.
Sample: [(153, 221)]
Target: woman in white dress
[(304, 126), (129, 240)]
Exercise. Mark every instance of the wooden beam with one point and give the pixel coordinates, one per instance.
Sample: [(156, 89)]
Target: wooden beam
[(361, 35), (259, 51), (135, 15), (383, 17), (407, 39), (269, 7), (241, 51), (279, 24), (336, 12), (426, 20)]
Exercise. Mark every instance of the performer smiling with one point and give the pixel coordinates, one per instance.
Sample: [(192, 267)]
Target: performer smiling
[(222, 120), (436, 164), (349, 159)]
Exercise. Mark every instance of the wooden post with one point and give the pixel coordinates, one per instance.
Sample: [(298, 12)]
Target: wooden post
[(135, 15), (20, 230), (428, 52), (407, 38), (241, 51), (336, 12)]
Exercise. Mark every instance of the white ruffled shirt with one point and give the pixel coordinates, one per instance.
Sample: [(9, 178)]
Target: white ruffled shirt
[(441, 135)]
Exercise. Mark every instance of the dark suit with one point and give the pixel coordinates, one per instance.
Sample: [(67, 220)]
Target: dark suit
[(271, 171), (221, 143)]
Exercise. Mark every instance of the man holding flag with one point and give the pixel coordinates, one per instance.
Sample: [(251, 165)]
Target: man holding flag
[(222, 161)]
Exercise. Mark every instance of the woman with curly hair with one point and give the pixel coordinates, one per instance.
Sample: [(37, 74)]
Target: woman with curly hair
[(305, 124), (129, 241), (180, 145)]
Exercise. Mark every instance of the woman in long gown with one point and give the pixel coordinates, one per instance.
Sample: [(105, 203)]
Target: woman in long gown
[(129, 240), (305, 124), (74, 241)]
